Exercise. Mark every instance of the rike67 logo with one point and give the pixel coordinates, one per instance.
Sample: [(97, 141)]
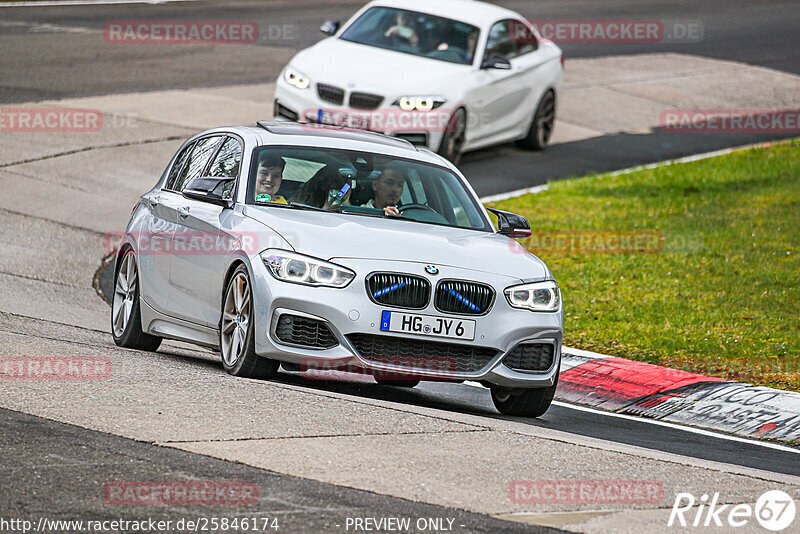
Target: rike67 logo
[(774, 510)]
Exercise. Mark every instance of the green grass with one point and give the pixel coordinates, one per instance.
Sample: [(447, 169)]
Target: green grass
[(720, 295)]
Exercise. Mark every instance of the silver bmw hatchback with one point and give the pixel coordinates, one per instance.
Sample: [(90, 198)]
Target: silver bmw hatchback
[(323, 249)]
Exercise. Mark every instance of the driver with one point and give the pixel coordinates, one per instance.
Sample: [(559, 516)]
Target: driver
[(388, 189), (403, 29), (268, 179)]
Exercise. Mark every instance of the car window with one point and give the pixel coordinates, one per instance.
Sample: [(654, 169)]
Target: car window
[(523, 38), (196, 164), (300, 171), (176, 169), (499, 40), (415, 33), (351, 182), (226, 164)]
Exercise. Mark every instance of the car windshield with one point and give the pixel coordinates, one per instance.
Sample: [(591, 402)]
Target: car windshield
[(415, 33), (362, 183)]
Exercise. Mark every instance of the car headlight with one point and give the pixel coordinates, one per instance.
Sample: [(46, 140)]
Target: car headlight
[(419, 103), (305, 270), (296, 79), (538, 296)]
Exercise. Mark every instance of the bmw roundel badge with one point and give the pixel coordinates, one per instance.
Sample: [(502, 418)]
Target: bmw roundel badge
[(430, 269)]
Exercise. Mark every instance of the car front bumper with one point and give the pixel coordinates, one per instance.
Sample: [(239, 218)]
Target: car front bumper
[(303, 105), (350, 311)]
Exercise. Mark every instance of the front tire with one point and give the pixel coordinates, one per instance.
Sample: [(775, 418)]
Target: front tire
[(237, 331), (526, 402), (126, 314), (454, 137), (542, 125)]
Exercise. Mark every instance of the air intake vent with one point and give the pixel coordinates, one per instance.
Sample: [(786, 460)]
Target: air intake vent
[(399, 290), (530, 357), (330, 93), (421, 355), (468, 298), (304, 332), (365, 101)]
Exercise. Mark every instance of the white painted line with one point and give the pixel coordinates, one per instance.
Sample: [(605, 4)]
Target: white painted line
[(691, 429), (539, 188), (688, 159), (53, 3), (656, 422), (585, 353), (517, 193)]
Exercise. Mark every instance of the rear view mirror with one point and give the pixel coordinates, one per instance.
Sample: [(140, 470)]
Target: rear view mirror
[(330, 27), (209, 189), (510, 224)]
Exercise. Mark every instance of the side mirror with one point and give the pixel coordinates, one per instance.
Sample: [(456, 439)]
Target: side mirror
[(330, 27), (209, 189), (510, 224), (496, 61)]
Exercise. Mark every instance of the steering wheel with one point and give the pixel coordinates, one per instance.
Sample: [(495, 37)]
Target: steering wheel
[(421, 213), (405, 207)]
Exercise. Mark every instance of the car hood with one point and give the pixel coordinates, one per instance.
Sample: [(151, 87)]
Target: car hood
[(332, 236), (370, 69)]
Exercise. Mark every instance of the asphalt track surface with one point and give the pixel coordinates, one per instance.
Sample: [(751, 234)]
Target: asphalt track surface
[(66, 467), (57, 64)]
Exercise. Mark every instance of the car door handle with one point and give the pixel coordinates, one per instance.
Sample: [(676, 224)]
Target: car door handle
[(183, 212)]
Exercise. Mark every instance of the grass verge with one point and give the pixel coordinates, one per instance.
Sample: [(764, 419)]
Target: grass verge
[(693, 266)]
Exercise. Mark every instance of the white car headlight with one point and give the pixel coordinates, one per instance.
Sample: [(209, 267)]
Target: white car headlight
[(305, 270), (420, 103), (538, 296), (296, 79)]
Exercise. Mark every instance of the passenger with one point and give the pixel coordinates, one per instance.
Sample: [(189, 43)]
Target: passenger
[(403, 30), (326, 190), (269, 178), (388, 189), (468, 52)]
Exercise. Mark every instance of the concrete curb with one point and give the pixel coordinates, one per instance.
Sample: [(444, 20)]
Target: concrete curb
[(636, 388)]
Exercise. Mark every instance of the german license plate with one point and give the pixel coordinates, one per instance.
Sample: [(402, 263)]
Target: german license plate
[(339, 118), (427, 325)]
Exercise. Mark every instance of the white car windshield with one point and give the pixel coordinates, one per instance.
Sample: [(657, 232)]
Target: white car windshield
[(362, 183), (415, 33)]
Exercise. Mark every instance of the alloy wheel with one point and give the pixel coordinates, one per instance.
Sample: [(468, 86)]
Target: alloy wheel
[(124, 293), (235, 319)]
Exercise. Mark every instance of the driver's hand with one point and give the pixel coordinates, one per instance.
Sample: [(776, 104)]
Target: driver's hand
[(391, 210)]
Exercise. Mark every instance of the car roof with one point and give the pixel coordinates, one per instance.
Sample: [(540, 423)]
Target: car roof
[(291, 133), (474, 12)]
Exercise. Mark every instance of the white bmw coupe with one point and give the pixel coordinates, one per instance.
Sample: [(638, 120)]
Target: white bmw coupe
[(449, 75)]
